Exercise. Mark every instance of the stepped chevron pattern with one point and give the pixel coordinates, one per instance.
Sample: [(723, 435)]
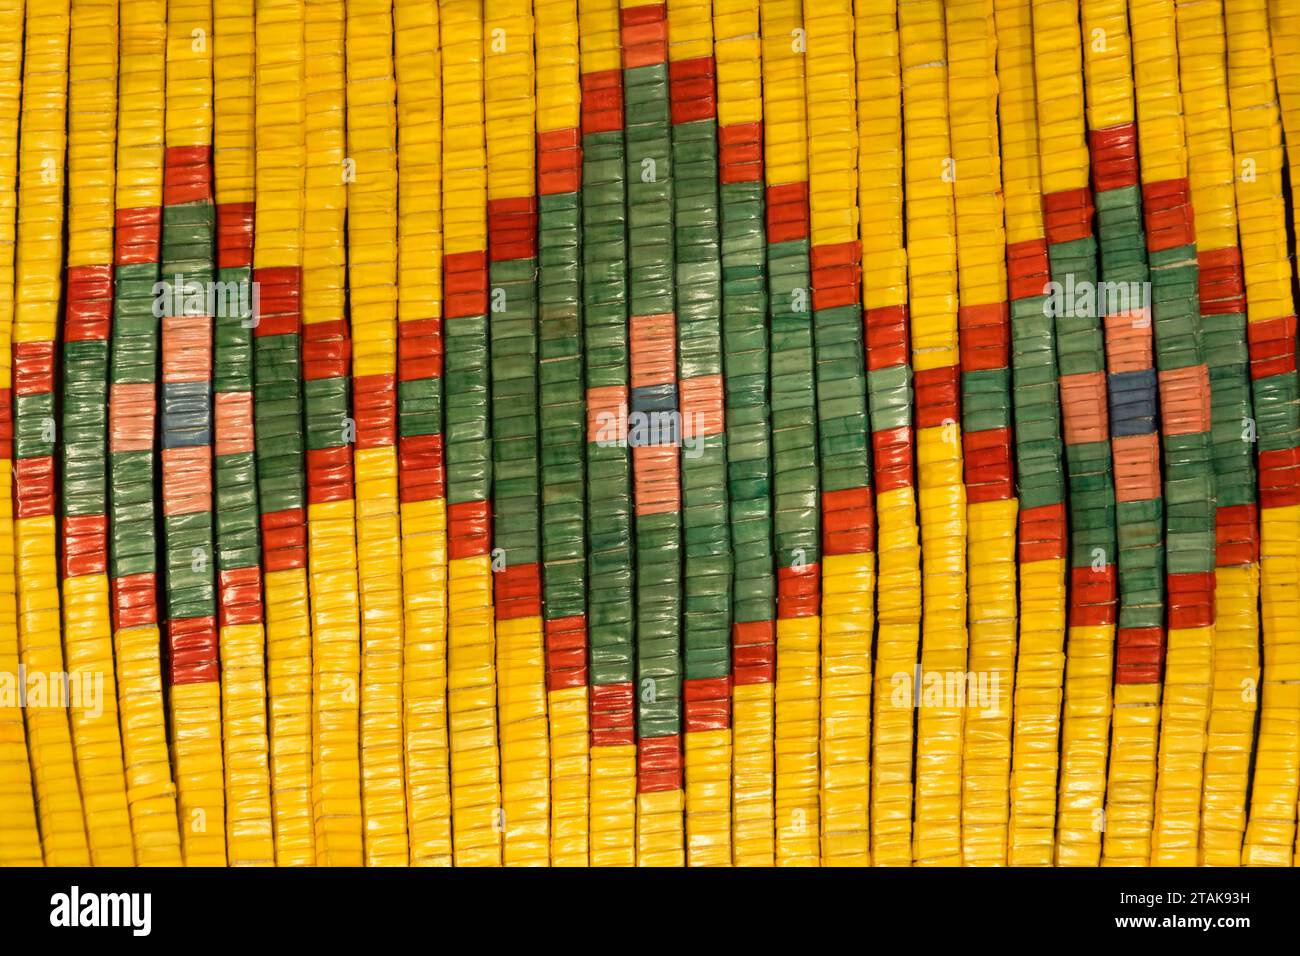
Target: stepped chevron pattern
[(609, 433)]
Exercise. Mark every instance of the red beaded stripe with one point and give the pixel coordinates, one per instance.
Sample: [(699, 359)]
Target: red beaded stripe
[(240, 593), (85, 545), (1222, 284), (1279, 478), (602, 102), (707, 704), (326, 350), (645, 35), (1114, 157), (1067, 215), (1167, 211), (193, 644), (613, 722), (893, 459), (137, 235), (938, 391), (1139, 655), (284, 540), (469, 529), (89, 303), (787, 213), (465, 284), (798, 591), (1042, 533), (1236, 535), (836, 272), (690, 86), (512, 228), (887, 337), (566, 652), (848, 521), (235, 235), (659, 764), (559, 162), (1028, 268), (517, 592), (753, 653), (135, 600), (740, 153), (1093, 596), (187, 174), (422, 469)]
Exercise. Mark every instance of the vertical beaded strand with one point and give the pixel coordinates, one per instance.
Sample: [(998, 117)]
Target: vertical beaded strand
[(1040, 477), (848, 518), (991, 504), (653, 339), (933, 265), (610, 603), (372, 319), (1134, 431), (132, 417), (1071, 250), (280, 182), (746, 353), (185, 411), (42, 145), (1271, 332), (893, 439), (1231, 729), (523, 728), (20, 840), (421, 473), (1185, 409), (477, 821), (240, 610), (329, 430), (706, 625), (563, 425), (796, 490), (92, 127), (1284, 33)]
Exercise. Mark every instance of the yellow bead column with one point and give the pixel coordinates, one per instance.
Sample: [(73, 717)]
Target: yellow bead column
[(280, 123), (1171, 241), (931, 236), (510, 111), (848, 518), (611, 631), (562, 452), (1067, 202), (477, 818), (151, 793), (186, 347), (991, 510), (372, 305), (20, 841), (739, 64), (250, 837), (421, 464), (1130, 782), (39, 254), (1284, 24), (88, 641), (1040, 661), (1270, 316), (889, 391), (1231, 731), (330, 431), (798, 626)]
